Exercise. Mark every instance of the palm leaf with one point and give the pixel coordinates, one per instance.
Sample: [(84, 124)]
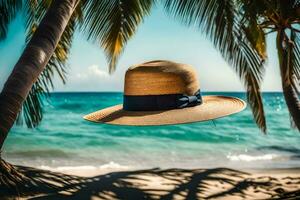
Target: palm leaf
[(256, 37), (220, 21), (292, 68), (32, 107), (295, 67), (8, 11), (112, 23), (295, 59)]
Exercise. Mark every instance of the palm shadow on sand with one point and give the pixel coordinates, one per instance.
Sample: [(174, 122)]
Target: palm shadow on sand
[(153, 184)]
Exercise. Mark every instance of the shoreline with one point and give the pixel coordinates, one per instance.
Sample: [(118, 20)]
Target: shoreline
[(111, 167), (215, 183), (87, 171)]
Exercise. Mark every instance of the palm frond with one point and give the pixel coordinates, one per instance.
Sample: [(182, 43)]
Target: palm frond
[(113, 22), (295, 59), (220, 21), (8, 11), (31, 111), (34, 12), (289, 59), (256, 37), (295, 66)]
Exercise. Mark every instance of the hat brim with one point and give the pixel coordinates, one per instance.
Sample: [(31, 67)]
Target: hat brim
[(212, 107)]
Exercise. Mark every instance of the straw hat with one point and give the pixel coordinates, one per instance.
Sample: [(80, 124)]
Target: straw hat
[(164, 92)]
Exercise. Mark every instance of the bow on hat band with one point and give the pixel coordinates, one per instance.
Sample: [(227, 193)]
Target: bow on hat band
[(160, 102)]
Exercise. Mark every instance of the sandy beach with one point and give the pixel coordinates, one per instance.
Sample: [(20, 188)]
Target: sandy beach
[(216, 183), (196, 161)]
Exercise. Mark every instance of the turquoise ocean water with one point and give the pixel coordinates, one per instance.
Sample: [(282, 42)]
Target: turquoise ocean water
[(65, 140)]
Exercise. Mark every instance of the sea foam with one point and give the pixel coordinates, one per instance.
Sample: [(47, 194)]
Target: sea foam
[(249, 158), (111, 166)]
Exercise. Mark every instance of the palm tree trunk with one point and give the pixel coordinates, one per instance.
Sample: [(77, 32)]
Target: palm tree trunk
[(290, 94), (32, 62), (30, 65)]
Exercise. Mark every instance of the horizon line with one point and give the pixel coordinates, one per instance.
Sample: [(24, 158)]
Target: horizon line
[(116, 91)]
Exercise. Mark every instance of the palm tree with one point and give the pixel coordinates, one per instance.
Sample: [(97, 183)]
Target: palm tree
[(112, 28), (31, 111), (27, 70), (283, 18), (117, 24), (239, 27)]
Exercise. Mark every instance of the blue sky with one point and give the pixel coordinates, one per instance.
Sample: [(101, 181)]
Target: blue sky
[(159, 37)]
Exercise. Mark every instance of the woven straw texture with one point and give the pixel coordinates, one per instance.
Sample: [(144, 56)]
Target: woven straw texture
[(160, 77)]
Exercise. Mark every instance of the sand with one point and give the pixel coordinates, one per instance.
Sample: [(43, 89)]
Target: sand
[(217, 183)]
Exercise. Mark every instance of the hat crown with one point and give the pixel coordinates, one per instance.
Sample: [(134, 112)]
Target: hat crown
[(161, 77)]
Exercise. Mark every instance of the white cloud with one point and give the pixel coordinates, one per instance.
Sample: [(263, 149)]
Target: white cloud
[(92, 72), (91, 78)]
